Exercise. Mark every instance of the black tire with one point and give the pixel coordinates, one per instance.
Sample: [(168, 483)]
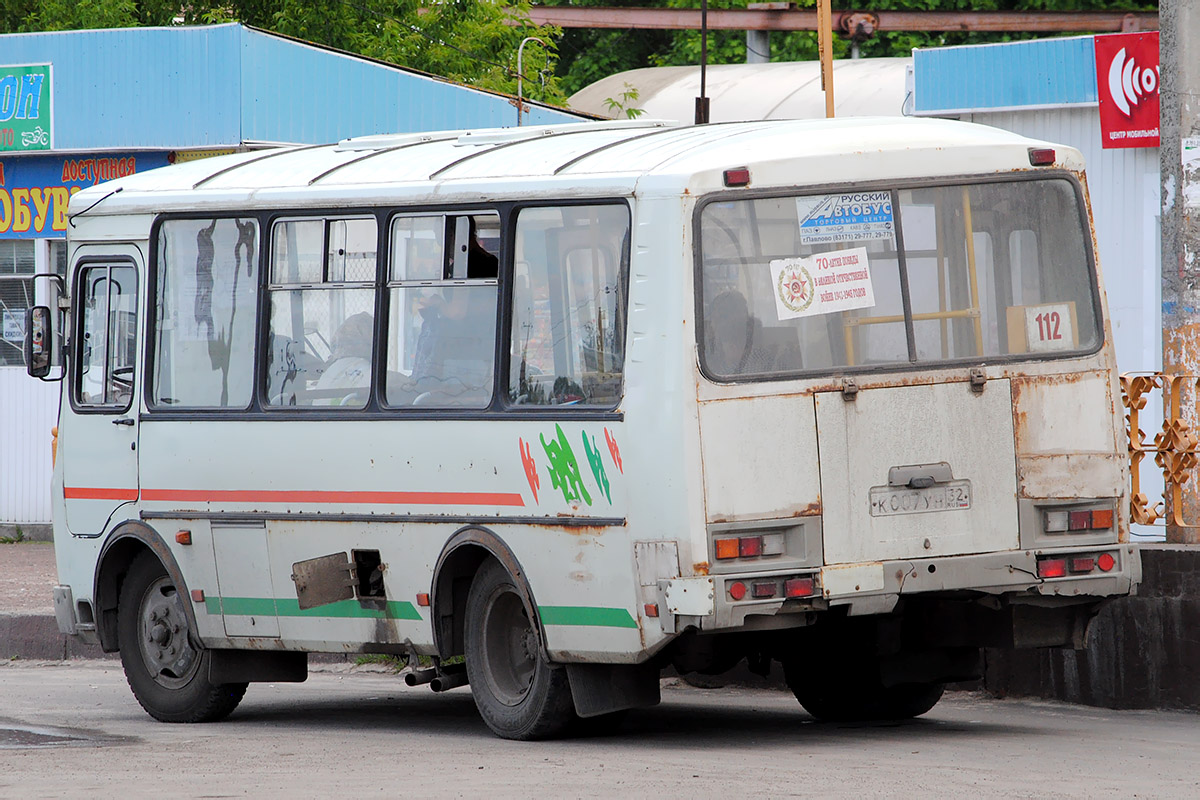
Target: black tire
[(518, 693), (166, 670), (854, 693)]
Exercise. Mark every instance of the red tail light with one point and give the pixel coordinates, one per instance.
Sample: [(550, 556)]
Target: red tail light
[(799, 587), (1083, 564), (737, 590), (1040, 157), (765, 589), (741, 176), (1080, 520), (750, 546), (1106, 562), (1052, 567)]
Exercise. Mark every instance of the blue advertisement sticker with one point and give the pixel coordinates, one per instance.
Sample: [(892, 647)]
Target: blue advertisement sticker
[(849, 217)]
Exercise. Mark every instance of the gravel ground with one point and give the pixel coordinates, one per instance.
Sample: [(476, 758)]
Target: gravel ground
[(27, 577)]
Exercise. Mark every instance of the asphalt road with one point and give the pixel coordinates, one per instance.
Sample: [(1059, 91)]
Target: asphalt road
[(74, 730)]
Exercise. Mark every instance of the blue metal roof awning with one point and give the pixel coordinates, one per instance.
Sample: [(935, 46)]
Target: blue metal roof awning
[(1041, 73), (221, 85)]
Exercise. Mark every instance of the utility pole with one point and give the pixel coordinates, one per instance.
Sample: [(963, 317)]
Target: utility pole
[(1179, 161), (825, 50), (702, 106)]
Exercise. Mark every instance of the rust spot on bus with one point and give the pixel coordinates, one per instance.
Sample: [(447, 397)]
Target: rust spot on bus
[(700, 568), (566, 527), (813, 509)]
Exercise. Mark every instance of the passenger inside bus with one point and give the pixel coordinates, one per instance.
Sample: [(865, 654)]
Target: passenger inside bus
[(738, 343), (453, 361), (729, 333), (349, 363)]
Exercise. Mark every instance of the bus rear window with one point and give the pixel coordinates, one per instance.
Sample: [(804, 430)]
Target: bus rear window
[(818, 282), (569, 306)]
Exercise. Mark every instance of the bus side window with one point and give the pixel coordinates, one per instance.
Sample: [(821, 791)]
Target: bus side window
[(442, 290), (568, 328), (322, 312), (206, 292), (107, 337)]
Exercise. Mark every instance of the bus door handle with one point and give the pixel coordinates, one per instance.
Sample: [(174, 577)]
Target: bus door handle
[(122, 421)]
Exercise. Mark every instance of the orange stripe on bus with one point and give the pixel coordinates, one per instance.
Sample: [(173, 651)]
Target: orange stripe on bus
[(385, 498), (88, 493)]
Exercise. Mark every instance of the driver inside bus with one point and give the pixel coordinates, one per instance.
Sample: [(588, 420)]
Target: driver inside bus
[(349, 363), (728, 333)]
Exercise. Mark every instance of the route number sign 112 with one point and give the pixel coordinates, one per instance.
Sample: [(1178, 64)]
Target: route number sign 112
[(1050, 327)]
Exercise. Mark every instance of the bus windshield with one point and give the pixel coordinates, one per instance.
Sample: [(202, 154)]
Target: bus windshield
[(805, 283)]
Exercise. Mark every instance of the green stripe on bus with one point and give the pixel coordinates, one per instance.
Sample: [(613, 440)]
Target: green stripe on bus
[(587, 615), (343, 609)]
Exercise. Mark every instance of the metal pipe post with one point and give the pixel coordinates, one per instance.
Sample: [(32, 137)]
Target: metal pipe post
[(1179, 161)]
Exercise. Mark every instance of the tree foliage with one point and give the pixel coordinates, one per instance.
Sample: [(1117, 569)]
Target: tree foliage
[(475, 41), (468, 41), (588, 55)]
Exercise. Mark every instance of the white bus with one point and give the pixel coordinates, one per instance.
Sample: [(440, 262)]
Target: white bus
[(579, 404)]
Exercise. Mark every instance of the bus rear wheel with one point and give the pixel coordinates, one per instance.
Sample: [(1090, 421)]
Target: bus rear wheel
[(518, 693), (167, 672), (854, 693)]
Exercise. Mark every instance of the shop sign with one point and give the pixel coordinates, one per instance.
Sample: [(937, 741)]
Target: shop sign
[(1127, 78), (25, 108), (35, 190)]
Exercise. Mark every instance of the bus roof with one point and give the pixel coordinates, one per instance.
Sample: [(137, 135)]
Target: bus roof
[(616, 158)]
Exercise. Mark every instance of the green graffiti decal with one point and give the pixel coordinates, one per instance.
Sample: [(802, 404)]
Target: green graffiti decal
[(597, 463), (564, 469)]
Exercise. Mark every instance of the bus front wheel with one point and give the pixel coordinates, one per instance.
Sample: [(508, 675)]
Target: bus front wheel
[(518, 693), (166, 671)]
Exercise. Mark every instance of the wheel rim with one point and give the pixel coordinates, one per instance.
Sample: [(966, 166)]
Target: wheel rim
[(510, 649), (163, 636)]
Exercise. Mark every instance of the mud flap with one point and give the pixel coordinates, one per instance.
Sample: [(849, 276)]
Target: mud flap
[(247, 666), (604, 688)]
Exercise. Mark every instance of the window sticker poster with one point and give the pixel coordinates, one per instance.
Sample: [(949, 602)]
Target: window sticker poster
[(822, 284), (14, 325), (844, 218)]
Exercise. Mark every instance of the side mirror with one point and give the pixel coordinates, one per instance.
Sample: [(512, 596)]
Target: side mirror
[(38, 342)]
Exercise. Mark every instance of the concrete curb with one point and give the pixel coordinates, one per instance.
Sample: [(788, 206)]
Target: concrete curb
[(36, 637), (29, 532)]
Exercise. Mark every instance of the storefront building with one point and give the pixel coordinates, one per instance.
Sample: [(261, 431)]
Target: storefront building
[(82, 107)]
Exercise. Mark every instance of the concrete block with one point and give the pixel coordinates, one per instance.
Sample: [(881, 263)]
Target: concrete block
[(1142, 651), (36, 637)]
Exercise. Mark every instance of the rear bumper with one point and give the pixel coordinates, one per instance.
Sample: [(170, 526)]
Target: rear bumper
[(877, 587)]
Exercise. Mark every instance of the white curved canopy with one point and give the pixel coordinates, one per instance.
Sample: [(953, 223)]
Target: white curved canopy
[(778, 90)]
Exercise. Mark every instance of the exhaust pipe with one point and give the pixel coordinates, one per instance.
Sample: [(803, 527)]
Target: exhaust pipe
[(417, 677), (452, 677)]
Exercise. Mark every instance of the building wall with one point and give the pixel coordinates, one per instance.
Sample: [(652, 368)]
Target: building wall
[(30, 411)]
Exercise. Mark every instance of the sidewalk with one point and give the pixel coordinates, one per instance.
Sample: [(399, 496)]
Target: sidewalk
[(27, 626)]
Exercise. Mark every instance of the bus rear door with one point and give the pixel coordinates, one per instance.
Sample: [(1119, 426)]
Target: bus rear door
[(917, 471)]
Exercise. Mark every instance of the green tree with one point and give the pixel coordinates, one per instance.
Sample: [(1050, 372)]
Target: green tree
[(467, 41), (588, 56), (62, 15)]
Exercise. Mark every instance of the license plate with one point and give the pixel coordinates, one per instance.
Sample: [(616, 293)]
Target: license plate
[(888, 501)]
